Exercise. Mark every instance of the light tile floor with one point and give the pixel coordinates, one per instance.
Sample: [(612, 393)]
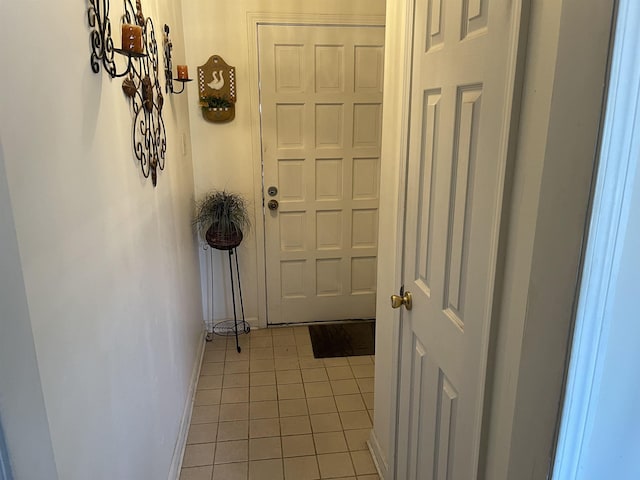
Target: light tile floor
[(273, 412)]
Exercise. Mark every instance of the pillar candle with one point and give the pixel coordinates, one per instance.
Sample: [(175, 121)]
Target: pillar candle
[(183, 72), (132, 38)]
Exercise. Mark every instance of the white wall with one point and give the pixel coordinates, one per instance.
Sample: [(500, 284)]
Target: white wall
[(22, 411), (109, 263), (223, 153)]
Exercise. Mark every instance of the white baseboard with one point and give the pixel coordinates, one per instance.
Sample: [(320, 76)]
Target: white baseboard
[(378, 459), (181, 441)]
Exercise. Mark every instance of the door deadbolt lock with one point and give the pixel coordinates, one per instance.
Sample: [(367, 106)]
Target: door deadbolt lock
[(273, 205), (397, 301), (272, 191)]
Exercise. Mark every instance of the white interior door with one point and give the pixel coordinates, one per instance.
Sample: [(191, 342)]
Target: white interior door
[(321, 102), (462, 87)]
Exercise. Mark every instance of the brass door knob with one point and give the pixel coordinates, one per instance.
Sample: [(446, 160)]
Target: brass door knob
[(273, 205), (397, 301)]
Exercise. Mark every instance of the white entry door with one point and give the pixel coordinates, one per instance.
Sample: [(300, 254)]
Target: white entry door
[(321, 102), (464, 55)]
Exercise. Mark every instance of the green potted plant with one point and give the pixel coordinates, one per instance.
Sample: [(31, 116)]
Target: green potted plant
[(222, 218), (217, 108)]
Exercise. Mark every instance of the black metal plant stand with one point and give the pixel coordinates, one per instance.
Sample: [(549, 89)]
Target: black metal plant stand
[(235, 326)]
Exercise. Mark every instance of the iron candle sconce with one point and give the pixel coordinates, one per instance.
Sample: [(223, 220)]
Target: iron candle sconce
[(168, 66), (141, 85), (102, 42)]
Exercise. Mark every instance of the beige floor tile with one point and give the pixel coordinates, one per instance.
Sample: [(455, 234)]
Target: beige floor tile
[(293, 408), (214, 356), (363, 463), (310, 362), (235, 395), (287, 364), (303, 339), (321, 405), (339, 373), (266, 365), (261, 342), (288, 392), (212, 369), (234, 356), (363, 371), (266, 470), (208, 382), (301, 468), (305, 349), (236, 367), (262, 353), (291, 393), (315, 375), (284, 340), (265, 448), (355, 420), (368, 400), (295, 425), (277, 331), (360, 360), (284, 377), (198, 455), (207, 397), (357, 439), (230, 452), (349, 403), (265, 409), (260, 332), (371, 416), (334, 465), (237, 430), (258, 379), (325, 422), (236, 380), (264, 427), (231, 471), (234, 411), (365, 385), (285, 352), (318, 389), (298, 446), (263, 393), (216, 343), (336, 362), (205, 414), (344, 387), (330, 442), (202, 433), (196, 473)]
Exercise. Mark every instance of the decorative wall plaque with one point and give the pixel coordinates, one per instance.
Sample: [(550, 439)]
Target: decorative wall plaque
[(217, 87)]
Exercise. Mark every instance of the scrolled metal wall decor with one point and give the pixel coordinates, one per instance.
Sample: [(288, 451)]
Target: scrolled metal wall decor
[(141, 85)]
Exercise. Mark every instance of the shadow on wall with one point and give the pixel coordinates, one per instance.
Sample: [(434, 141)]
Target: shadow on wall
[(5, 467)]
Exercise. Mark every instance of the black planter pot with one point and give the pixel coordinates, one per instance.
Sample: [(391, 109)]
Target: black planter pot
[(223, 240)]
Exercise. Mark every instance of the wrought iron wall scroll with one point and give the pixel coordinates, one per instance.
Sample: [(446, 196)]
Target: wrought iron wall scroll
[(141, 85)]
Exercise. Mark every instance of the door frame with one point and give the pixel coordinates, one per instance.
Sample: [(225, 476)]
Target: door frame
[(565, 59), (254, 20)]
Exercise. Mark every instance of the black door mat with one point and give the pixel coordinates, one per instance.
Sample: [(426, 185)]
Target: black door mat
[(343, 339)]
